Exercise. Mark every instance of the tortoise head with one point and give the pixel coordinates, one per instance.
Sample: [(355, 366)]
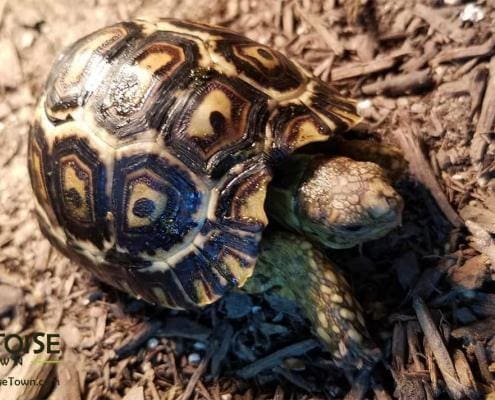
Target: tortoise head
[(336, 201), (343, 202)]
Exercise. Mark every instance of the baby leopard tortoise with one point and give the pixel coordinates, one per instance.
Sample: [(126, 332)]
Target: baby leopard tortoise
[(150, 157)]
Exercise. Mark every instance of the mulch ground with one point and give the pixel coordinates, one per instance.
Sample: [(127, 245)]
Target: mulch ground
[(424, 72)]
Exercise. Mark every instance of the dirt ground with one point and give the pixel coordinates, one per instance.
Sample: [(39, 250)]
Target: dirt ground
[(424, 72)]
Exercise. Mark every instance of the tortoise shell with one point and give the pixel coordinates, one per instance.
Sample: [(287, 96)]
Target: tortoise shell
[(150, 153)]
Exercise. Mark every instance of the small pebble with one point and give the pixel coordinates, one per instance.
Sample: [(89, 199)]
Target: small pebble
[(483, 181), (418, 108), (199, 346), (363, 107), (472, 13), (301, 30), (458, 177), (255, 309), (279, 41), (194, 358), (152, 343), (26, 40)]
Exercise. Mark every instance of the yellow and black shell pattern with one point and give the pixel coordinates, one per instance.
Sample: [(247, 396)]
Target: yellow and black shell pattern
[(149, 153)]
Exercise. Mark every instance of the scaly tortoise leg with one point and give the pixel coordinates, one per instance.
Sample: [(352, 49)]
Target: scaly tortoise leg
[(297, 270)]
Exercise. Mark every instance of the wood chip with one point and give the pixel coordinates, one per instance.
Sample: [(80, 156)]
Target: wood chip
[(366, 47), (472, 274), (10, 67), (478, 331), (68, 379), (399, 348), (460, 53), (413, 345), (482, 240), (433, 369), (354, 70), (441, 353), (466, 375), (136, 393), (330, 37), (480, 213), (420, 167), (486, 121), (480, 353), (399, 85), (71, 335), (10, 297), (276, 358), (141, 333), (419, 61), (477, 86), (3, 3), (288, 20), (437, 22), (196, 376)]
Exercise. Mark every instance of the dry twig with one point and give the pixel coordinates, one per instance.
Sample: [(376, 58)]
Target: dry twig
[(400, 84), (479, 50), (442, 356), (486, 121), (421, 169), (276, 358)]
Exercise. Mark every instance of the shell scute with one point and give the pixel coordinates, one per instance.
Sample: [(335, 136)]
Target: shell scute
[(76, 181), (81, 67), (157, 203), (218, 123), (142, 89)]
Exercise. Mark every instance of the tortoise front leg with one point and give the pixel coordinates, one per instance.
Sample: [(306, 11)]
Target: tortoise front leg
[(297, 270)]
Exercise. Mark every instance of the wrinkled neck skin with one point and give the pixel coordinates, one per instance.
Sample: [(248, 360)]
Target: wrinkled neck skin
[(295, 269)]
